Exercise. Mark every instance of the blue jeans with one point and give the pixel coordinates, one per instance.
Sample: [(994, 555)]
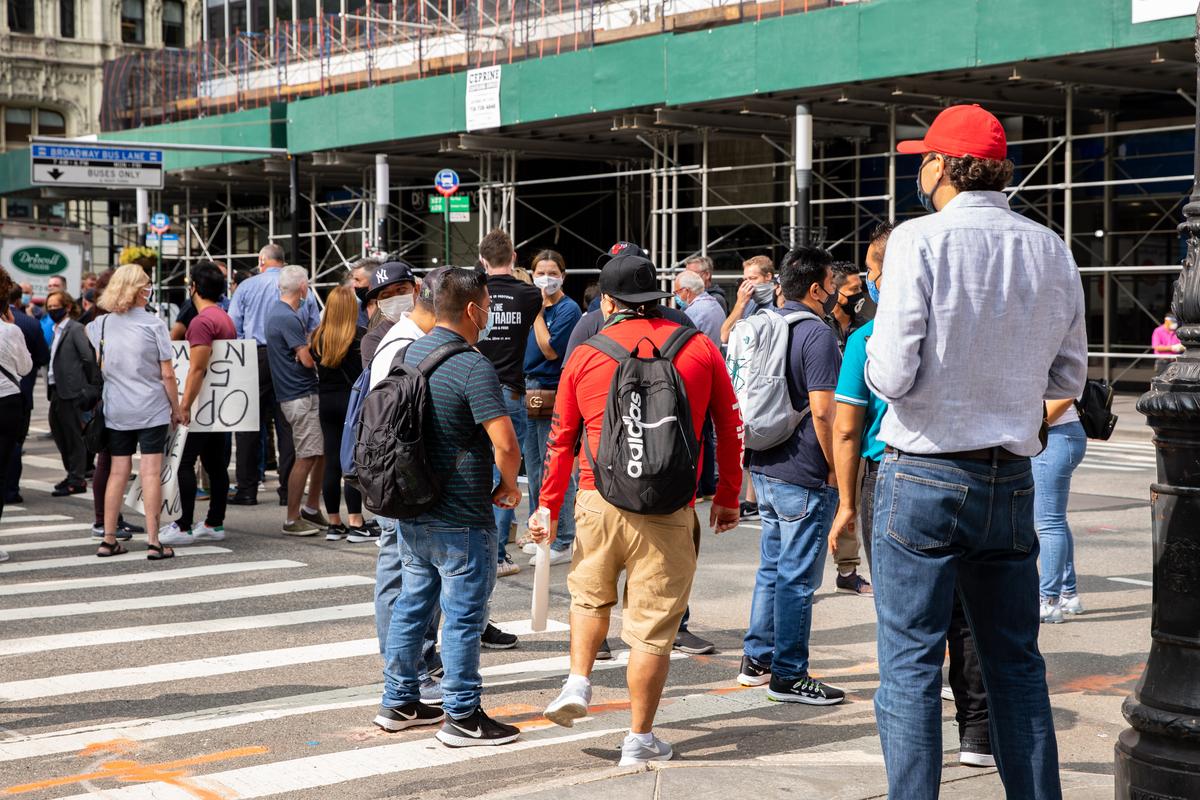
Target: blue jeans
[(537, 431), (942, 523), (1052, 474), (506, 516), (795, 531), (388, 581), (455, 566)]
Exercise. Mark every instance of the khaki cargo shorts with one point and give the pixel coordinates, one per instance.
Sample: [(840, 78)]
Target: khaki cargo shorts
[(304, 416), (658, 555)]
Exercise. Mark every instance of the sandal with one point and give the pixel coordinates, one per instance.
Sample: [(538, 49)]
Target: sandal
[(159, 552), (114, 549)]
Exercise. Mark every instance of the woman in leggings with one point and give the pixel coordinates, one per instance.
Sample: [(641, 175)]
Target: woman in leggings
[(335, 346)]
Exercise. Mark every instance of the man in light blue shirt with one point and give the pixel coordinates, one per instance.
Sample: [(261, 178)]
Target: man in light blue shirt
[(252, 304), (702, 308), (983, 320)]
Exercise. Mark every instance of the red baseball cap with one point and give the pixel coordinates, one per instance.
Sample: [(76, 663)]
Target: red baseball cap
[(962, 131)]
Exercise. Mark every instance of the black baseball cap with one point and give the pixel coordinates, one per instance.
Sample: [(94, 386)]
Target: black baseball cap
[(630, 278), (620, 249), (388, 273)]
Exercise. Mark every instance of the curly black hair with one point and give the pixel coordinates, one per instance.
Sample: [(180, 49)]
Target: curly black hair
[(971, 174)]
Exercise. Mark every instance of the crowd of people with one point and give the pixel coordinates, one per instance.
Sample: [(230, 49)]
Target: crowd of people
[(814, 400)]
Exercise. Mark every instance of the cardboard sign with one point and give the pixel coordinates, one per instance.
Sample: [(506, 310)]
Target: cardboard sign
[(169, 475), (228, 398)]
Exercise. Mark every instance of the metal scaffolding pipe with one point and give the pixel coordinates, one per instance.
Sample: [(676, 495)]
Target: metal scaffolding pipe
[(803, 173)]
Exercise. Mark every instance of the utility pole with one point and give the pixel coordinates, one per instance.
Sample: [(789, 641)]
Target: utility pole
[(1158, 758)]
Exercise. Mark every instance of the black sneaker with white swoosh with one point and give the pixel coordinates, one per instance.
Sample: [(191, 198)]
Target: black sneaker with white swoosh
[(476, 729), (408, 715)]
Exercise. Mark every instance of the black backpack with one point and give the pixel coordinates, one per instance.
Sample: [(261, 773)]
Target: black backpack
[(1095, 410), (648, 451), (390, 457)]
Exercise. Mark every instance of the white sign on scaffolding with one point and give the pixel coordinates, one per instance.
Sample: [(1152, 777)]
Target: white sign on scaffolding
[(483, 98), (1150, 10)]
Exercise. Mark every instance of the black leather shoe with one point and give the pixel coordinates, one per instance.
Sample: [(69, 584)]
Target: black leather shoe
[(243, 499), (68, 489)]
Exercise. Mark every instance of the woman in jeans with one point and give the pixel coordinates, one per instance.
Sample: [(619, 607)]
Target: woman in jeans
[(15, 362), (1052, 470), (336, 347), (543, 365), (141, 400)]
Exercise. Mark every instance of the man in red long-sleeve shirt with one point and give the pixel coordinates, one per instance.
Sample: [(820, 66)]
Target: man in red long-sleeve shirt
[(657, 552)]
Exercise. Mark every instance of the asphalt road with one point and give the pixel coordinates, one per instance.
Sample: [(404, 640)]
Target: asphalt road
[(250, 668)]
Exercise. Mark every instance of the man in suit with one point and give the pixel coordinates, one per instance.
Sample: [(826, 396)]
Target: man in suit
[(73, 385), (40, 354)]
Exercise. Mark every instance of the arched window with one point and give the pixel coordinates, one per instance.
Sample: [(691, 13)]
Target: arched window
[(133, 21), (21, 122)]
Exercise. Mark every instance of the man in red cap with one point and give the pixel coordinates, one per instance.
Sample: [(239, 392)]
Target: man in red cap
[(984, 321)]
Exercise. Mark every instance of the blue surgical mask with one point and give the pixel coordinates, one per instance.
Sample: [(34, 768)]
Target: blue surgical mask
[(925, 197), (873, 291), (486, 330), (680, 303), (26, 300)]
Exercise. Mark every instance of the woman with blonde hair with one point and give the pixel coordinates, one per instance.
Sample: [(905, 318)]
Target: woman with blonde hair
[(336, 347), (141, 400)]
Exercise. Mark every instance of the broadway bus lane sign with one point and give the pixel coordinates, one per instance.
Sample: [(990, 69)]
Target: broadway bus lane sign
[(96, 165)]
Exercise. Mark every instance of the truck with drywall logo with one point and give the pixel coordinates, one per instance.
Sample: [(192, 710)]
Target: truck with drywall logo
[(34, 253)]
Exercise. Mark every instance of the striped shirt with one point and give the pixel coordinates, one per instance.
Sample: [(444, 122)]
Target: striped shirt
[(466, 394)]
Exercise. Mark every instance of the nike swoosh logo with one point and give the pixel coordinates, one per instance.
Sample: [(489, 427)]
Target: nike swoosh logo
[(474, 734), (407, 717)]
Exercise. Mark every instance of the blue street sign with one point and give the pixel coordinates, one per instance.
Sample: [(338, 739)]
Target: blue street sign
[(160, 222), (96, 166), (446, 182)]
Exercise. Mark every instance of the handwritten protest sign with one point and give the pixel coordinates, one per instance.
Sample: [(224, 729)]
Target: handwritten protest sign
[(228, 398), (169, 475)]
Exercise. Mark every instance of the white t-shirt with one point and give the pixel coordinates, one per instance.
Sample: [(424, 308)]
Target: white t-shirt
[(400, 334), (135, 345)]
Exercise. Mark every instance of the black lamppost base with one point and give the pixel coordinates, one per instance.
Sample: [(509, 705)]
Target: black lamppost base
[(1154, 767)]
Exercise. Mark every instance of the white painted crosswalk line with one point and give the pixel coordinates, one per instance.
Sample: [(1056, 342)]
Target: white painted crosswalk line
[(185, 599), (192, 722), (330, 769), (72, 584), (140, 633), (32, 518), (10, 567), (1119, 456), (28, 529), (62, 544)]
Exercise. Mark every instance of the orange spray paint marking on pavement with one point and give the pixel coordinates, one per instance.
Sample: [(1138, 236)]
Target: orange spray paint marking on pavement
[(135, 772), (1103, 684), (110, 746)]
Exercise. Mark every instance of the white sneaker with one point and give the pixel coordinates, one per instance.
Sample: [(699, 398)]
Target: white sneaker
[(530, 549), (172, 535), (947, 693), (3, 555), (570, 705), (556, 557), (201, 532), (633, 752), (1071, 605), (1051, 611), (506, 567)]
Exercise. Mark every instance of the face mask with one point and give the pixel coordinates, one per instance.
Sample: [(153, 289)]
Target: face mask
[(925, 197), (828, 303), (872, 291), (680, 303), (548, 283), (393, 307), (486, 330), (764, 293), (361, 293), (57, 314), (853, 302), (147, 293), (26, 300)]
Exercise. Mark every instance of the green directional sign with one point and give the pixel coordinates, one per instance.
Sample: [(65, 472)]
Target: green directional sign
[(437, 204), (460, 207)]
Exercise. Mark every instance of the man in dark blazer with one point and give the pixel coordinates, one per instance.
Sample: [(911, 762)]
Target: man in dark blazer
[(40, 354), (75, 388)]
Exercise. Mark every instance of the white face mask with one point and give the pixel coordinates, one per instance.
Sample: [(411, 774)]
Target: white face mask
[(548, 283), (393, 307)]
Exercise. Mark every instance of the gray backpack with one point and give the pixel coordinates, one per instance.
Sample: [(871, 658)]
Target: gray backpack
[(757, 360)]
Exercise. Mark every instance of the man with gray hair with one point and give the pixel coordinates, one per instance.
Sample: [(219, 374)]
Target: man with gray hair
[(294, 375), (701, 307), (253, 302), (703, 266)]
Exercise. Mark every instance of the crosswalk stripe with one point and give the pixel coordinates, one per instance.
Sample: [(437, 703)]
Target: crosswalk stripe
[(71, 584), (1110, 467), (34, 518), (184, 599), (200, 721), (104, 636), (83, 561), (1133, 581), (524, 627), (311, 772), (26, 530), (57, 544)]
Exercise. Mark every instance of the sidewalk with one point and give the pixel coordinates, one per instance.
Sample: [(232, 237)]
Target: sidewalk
[(1131, 425)]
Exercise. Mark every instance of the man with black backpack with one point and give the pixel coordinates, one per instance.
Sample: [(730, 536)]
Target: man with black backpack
[(454, 427), (793, 477), (641, 419)]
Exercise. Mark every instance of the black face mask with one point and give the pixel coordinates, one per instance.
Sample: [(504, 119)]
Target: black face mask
[(57, 314), (854, 303), (361, 292)]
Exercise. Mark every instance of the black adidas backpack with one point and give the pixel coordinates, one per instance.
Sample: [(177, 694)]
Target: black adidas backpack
[(390, 457), (648, 451)]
